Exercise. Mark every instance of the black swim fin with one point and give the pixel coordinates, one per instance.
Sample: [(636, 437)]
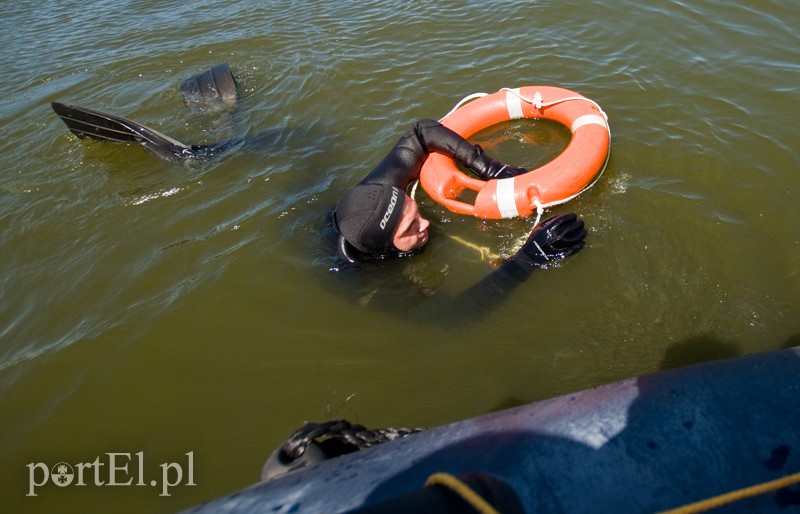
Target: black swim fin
[(91, 124), (213, 87), (88, 123)]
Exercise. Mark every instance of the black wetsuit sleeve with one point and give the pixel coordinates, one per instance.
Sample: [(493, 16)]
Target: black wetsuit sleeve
[(554, 239), (478, 301), (402, 164), (491, 291)]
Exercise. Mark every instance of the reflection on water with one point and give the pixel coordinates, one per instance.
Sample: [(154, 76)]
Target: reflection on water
[(166, 309)]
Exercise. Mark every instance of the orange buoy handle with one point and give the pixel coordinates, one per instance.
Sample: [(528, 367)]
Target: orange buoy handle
[(561, 179)]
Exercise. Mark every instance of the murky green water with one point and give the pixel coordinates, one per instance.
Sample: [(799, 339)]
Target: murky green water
[(152, 308)]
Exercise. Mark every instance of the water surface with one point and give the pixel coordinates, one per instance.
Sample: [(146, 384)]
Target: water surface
[(148, 307)]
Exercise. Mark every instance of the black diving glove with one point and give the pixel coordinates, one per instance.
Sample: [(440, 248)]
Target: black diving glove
[(487, 168), (554, 239)]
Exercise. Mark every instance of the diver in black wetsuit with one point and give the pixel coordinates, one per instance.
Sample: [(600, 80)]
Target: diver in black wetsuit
[(376, 219)]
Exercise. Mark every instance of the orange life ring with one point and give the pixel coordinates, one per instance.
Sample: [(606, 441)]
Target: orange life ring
[(562, 178)]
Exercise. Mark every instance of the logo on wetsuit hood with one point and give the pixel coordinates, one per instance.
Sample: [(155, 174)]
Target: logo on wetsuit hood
[(390, 209)]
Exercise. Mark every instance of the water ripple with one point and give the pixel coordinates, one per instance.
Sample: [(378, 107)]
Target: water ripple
[(692, 227)]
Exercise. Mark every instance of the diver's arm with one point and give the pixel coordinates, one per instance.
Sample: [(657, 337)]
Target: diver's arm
[(552, 240), (438, 138), (403, 163)]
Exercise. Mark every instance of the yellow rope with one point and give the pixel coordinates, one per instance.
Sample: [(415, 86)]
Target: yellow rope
[(463, 490), (485, 251), (734, 496), (482, 506)]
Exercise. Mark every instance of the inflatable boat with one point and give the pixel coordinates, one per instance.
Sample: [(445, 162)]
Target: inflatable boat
[(649, 444)]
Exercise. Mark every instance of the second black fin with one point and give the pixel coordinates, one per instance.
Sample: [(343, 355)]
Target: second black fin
[(88, 123), (213, 87)]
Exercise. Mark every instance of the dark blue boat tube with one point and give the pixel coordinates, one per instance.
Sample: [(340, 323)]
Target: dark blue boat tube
[(640, 445)]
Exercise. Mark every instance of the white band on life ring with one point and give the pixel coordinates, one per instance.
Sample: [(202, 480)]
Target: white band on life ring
[(588, 119), (506, 198), (514, 104)]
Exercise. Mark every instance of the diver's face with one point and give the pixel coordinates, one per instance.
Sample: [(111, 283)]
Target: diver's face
[(412, 231)]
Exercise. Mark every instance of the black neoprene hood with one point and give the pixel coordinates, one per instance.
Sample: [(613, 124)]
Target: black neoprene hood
[(367, 217)]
